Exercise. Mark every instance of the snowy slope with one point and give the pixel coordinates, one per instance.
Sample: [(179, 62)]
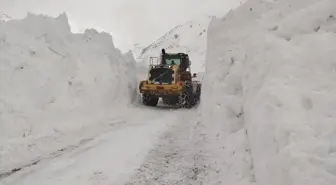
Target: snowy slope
[(137, 52), (269, 93), (189, 37), (4, 17), (53, 81)]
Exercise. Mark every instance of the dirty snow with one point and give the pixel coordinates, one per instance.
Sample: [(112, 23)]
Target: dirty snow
[(269, 92), (179, 158)]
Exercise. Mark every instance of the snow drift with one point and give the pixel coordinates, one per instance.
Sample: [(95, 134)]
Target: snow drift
[(269, 92), (49, 75)]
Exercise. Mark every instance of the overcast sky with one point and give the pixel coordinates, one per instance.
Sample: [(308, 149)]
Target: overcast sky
[(129, 21)]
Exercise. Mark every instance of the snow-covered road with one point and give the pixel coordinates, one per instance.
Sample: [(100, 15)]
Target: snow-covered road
[(112, 156), (179, 158)]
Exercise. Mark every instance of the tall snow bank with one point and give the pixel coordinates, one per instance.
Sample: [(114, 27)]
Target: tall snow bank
[(269, 92), (48, 74)]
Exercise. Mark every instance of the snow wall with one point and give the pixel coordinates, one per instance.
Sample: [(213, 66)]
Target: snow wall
[(269, 92), (49, 74)]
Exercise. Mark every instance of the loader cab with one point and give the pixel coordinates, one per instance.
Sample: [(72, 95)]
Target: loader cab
[(182, 62), (179, 59)]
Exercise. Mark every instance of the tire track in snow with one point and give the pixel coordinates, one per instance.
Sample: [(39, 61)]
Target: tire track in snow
[(108, 158), (192, 152), (58, 152), (179, 159), (36, 161), (79, 147)]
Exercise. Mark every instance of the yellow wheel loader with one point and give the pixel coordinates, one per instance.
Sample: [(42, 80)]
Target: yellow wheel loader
[(169, 78)]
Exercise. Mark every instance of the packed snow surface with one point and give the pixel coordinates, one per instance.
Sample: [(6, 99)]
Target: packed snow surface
[(269, 92), (53, 81), (107, 153)]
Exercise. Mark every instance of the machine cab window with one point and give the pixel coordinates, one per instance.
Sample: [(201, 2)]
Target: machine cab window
[(173, 61)]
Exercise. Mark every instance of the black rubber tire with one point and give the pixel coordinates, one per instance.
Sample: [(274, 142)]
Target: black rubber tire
[(171, 100), (149, 100), (197, 96), (154, 101), (186, 99), (165, 100)]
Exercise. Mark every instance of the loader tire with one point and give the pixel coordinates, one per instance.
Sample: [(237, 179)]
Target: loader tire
[(170, 100), (186, 99), (165, 101), (197, 96), (149, 100)]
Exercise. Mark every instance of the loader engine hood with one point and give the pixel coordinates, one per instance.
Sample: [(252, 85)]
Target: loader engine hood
[(161, 75)]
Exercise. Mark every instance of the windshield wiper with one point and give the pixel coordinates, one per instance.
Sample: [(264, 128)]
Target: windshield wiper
[(160, 76)]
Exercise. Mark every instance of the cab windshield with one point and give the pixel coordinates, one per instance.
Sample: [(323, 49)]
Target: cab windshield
[(171, 61), (161, 75)]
